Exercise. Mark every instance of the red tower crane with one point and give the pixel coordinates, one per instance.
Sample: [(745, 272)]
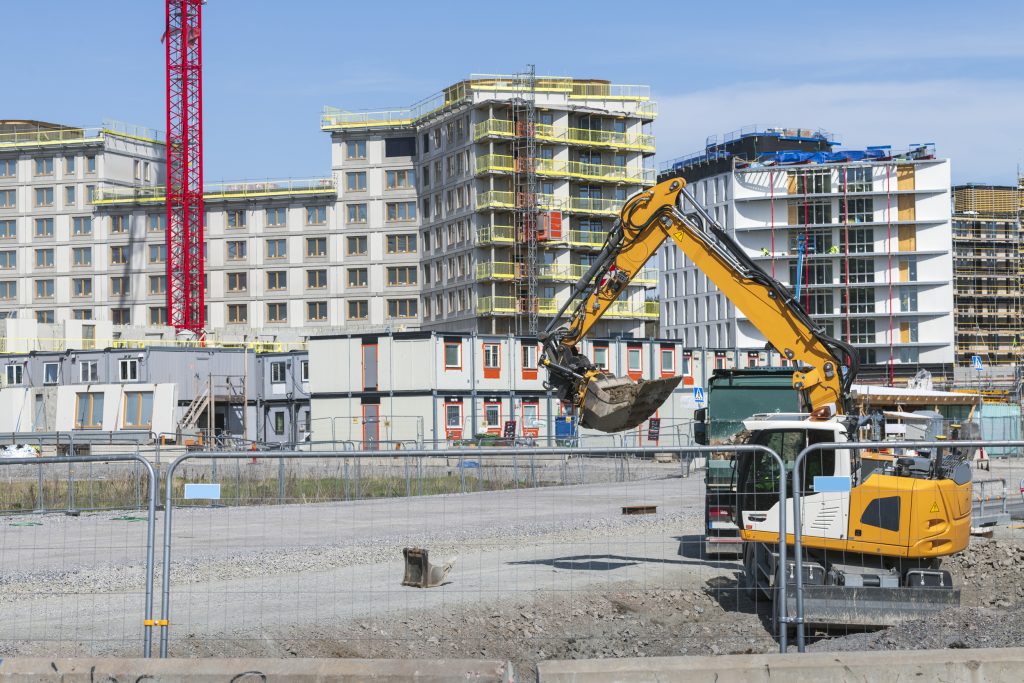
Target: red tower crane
[(183, 40)]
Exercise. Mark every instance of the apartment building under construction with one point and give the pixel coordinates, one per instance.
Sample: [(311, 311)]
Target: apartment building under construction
[(987, 252)]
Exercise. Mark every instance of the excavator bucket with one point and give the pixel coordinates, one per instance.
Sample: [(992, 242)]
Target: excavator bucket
[(419, 573), (613, 404)]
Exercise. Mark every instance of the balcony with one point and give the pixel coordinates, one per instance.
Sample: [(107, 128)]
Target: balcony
[(508, 305), (502, 128), (500, 163), (157, 194), (495, 234), (551, 272), (502, 199)]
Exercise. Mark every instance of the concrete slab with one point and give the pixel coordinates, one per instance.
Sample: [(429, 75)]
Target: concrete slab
[(991, 665), (23, 670)]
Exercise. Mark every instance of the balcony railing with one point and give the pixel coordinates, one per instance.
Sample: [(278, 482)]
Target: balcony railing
[(508, 305), (490, 234), (553, 272), (563, 135), (58, 136), (502, 163), (155, 194), (503, 199)]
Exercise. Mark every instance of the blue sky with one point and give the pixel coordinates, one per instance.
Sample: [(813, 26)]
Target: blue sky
[(893, 72)]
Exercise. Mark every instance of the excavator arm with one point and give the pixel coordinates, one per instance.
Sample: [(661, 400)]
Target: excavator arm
[(825, 366)]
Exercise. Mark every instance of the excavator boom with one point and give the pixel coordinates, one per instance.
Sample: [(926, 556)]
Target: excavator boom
[(825, 366)]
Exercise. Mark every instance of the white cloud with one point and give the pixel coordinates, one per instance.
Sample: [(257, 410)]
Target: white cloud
[(976, 123)]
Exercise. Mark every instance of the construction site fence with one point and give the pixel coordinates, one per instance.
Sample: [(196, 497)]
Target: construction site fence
[(29, 344), (340, 520), (943, 455), (50, 563)]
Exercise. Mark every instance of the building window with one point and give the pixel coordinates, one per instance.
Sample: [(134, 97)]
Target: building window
[(601, 357), (81, 314), (89, 411), (355, 213), (316, 311), (90, 164), (238, 282), (316, 279), (277, 312), (278, 422), (402, 308), (812, 213), (69, 195), (157, 315), (51, 373), (529, 356), (81, 257), (633, 360), (908, 300), (69, 166), (15, 373), (316, 246), (401, 244), (355, 182), (90, 194), (277, 217), (81, 226), (355, 246), (818, 302), (857, 210), (7, 199), (814, 182), (668, 361), (492, 415), (44, 289), (8, 290), (44, 196), (358, 310), (157, 253), (89, 371), (121, 316), (138, 409), (355, 149), (120, 285), (861, 331), (44, 227), (856, 179), (8, 230), (861, 270), (453, 415), (238, 313), (157, 284), (236, 250), (278, 372), (316, 215), (277, 280), (401, 276), (277, 249), (235, 218), (119, 255), (8, 260), (118, 225), (8, 168), (156, 222), (492, 356), (44, 258), (128, 369), (304, 371), (357, 277), (862, 240), (401, 211), (814, 273), (452, 355), (401, 180)]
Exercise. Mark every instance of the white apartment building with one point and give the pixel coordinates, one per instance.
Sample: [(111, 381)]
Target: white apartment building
[(591, 143), (877, 266), (53, 250)]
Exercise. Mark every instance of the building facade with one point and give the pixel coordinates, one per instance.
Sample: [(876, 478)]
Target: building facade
[(987, 250), (866, 235), (55, 256), (465, 190)]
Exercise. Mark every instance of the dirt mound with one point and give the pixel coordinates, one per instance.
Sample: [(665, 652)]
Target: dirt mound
[(990, 573)]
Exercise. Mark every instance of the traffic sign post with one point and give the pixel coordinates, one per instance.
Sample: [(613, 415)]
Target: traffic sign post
[(698, 394)]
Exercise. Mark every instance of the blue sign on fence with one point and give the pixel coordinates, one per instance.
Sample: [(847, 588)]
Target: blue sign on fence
[(976, 363), (202, 491)]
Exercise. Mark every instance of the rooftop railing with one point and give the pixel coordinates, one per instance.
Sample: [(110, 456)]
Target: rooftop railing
[(238, 190)]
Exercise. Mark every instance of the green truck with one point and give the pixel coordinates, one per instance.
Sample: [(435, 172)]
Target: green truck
[(732, 397)]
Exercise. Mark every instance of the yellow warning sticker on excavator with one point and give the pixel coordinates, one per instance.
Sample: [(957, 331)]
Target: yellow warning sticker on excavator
[(934, 508)]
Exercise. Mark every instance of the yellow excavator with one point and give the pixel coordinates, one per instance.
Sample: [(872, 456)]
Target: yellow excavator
[(872, 551)]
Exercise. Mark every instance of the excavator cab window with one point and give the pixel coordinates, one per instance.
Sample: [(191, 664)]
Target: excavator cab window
[(757, 475)]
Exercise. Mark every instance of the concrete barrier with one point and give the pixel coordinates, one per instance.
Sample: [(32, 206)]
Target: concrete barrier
[(88, 670), (995, 665)]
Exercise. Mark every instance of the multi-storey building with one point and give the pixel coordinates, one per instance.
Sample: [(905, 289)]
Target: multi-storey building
[(53, 252), (864, 235), (497, 160), (987, 269)]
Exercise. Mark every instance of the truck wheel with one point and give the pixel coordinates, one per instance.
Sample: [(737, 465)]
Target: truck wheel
[(749, 579)]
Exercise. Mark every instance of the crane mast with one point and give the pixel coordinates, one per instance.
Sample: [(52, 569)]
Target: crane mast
[(183, 43)]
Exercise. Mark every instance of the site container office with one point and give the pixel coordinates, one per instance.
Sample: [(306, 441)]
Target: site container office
[(280, 385)]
